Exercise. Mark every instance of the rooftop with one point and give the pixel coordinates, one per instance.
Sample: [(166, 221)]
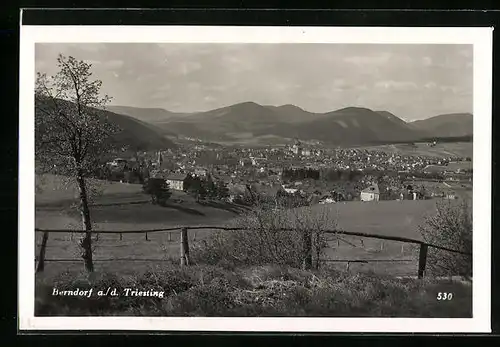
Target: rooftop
[(176, 177)]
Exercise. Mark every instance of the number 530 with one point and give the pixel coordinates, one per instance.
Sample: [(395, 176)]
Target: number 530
[(444, 296)]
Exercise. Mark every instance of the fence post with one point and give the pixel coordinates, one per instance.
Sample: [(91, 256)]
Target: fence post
[(422, 259), (169, 236), (41, 258), (184, 247), (146, 236), (121, 236)]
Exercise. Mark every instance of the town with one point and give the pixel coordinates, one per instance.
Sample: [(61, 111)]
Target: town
[(315, 174)]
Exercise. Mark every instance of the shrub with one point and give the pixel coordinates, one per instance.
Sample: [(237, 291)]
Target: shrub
[(255, 291), (209, 300), (450, 227), (270, 236), (171, 281)]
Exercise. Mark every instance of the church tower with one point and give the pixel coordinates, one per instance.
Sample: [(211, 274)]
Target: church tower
[(160, 159)]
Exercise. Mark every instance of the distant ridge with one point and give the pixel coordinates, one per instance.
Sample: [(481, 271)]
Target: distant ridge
[(135, 133), (447, 125), (347, 126)]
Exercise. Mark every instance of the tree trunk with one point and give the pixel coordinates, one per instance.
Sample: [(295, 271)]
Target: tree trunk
[(307, 250), (86, 240)]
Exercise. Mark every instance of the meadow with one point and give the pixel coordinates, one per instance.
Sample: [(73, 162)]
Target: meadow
[(124, 207), (372, 289), (446, 149)]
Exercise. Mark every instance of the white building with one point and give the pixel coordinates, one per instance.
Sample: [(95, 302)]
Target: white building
[(306, 152), (371, 193), (176, 181)]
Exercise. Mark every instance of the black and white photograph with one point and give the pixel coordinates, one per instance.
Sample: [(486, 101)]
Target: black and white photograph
[(227, 179)]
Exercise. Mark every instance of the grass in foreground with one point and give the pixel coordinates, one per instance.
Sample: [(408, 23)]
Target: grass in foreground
[(255, 291)]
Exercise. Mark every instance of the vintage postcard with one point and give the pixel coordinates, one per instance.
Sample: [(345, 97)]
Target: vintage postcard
[(282, 179)]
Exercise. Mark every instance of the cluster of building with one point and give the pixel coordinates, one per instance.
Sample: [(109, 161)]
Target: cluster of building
[(261, 168)]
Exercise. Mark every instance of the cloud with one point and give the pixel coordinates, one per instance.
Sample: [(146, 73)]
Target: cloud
[(369, 59), (113, 64), (187, 67), (89, 47), (215, 88), (317, 77), (398, 85), (452, 89)]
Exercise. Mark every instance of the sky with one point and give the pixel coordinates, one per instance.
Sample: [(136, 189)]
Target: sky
[(412, 81)]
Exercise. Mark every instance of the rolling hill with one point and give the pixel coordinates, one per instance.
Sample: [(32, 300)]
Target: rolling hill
[(151, 115), (446, 125), (224, 124), (293, 114), (134, 133), (352, 125), (251, 121)]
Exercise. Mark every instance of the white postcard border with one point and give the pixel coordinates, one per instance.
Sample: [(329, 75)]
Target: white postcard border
[(480, 38)]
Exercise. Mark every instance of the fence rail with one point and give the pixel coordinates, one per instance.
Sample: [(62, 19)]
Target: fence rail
[(184, 244)]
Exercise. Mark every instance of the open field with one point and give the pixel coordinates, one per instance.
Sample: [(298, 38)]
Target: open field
[(124, 207), (393, 218), (53, 190), (137, 212), (370, 289), (459, 149)]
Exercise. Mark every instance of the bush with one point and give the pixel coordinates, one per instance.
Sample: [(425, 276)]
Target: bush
[(255, 291), (450, 227), (271, 236), (209, 300)]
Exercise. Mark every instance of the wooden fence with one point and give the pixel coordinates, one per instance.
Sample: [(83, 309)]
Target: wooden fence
[(184, 244)]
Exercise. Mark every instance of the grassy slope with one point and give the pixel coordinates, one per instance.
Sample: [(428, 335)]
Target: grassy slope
[(54, 190), (122, 206), (461, 149), (351, 293), (385, 217), (255, 291), (134, 132)]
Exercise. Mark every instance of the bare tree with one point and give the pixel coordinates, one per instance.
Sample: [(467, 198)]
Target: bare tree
[(72, 132), (310, 223), (271, 234), (450, 226)]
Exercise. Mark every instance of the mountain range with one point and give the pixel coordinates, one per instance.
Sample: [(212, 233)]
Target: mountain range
[(447, 125), (347, 126)]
